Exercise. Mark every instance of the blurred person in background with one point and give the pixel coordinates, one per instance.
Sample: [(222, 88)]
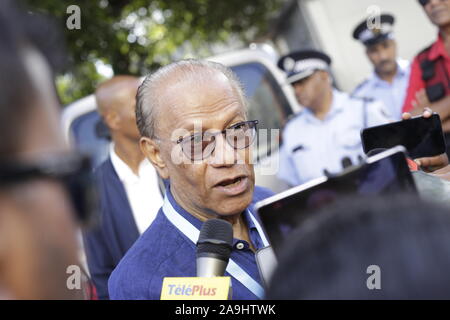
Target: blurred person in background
[(128, 184), (325, 134), (329, 256), (37, 218), (429, 83), (389, 80)]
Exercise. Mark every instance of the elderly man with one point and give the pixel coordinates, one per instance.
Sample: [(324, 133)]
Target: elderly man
[(192, 118), (389, 79), (128, 183)]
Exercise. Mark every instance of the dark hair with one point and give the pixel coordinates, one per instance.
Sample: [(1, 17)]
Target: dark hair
[(20, 30), (328, 257)]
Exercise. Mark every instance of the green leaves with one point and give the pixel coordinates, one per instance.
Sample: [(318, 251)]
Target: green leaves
[(138, 36)]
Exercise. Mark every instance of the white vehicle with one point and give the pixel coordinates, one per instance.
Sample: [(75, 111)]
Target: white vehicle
[(271, 99)]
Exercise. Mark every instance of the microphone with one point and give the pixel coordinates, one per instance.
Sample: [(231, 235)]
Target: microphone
[(214, 248)]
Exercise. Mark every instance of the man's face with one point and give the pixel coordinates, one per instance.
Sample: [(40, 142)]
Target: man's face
[(383, 56), (438, 11), (37, 228), (309, 90), (223, 183)]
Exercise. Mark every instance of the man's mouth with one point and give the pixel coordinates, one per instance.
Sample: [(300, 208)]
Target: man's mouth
[(438, 11), (233, 186), (230, 182)]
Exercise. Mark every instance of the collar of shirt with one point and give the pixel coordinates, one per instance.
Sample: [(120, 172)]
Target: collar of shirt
[(253, 231), (337, 106), (126, 175), (402, 71), (438, 50)]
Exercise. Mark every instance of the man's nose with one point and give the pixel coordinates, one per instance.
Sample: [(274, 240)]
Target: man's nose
[(223, 155)]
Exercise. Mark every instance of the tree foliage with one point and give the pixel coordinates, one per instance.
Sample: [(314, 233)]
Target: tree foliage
[(137, 36)]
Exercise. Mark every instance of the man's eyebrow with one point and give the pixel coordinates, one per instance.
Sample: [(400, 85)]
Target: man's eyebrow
[(191, 126), (230, 123)]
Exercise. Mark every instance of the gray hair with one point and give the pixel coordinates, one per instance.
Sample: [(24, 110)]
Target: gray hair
[(148, 100)]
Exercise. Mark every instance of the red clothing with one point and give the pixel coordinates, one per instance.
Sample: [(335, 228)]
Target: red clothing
[(415, 79)]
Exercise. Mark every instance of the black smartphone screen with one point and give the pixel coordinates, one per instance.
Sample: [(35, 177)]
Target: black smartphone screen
[(388, 176), (422, 137)]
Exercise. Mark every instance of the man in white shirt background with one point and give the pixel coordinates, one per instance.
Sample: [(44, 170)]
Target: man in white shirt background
[(129, 192)]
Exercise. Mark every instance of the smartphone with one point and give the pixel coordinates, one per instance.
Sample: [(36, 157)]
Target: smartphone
[(422, 137), (386, 173)]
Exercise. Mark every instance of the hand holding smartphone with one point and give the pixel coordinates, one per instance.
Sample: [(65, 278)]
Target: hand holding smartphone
[(422, 137)]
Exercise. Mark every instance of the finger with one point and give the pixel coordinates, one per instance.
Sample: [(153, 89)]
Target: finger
[(427, 112), (437, 161), (406, 116), (426, 162)]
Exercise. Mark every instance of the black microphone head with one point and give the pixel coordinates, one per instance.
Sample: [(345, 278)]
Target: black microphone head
[(215, 240)]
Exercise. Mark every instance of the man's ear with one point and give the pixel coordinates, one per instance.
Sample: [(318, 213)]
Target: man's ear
[(152, 152), (111, 119), (326, 76)]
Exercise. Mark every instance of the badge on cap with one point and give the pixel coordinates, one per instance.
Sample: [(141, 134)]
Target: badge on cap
[(369, 33), (301, 64)]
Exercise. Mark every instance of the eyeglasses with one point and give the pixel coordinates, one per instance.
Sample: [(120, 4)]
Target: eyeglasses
[(200, 146), (73, 170)]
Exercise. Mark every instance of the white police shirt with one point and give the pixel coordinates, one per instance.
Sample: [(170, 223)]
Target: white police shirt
[(311, 145), (391, 94)]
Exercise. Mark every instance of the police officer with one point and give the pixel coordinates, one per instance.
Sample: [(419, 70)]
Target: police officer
[(389, 81), (326, 133)]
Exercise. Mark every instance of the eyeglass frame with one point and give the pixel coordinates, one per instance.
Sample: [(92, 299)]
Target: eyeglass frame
[(223, 132), (73, 170)]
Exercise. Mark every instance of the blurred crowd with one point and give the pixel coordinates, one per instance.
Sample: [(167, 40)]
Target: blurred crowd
[(134, 218)]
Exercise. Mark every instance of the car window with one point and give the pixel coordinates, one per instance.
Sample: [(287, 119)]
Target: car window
[(267, 103)]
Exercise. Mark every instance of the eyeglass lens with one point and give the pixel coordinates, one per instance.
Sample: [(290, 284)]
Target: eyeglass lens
[(201, 146)]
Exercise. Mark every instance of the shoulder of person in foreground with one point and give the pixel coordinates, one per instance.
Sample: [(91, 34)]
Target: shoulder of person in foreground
[(155, 255)]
